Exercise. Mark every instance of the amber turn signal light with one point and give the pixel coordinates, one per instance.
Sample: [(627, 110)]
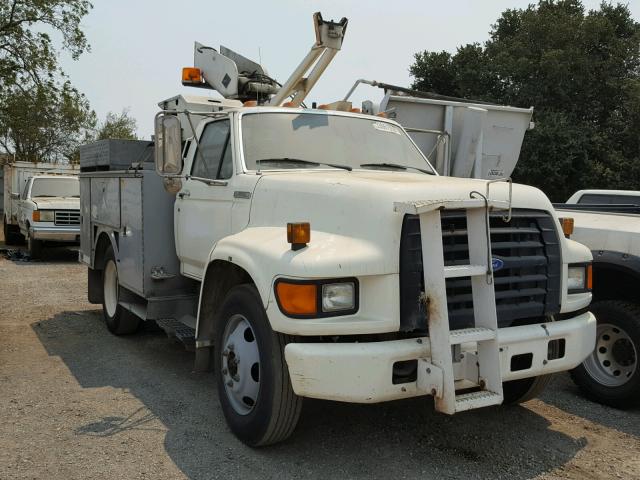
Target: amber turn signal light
[(298, 234), (567, 226), (297, 298), (35, 215), (191, 76), (590, 277)]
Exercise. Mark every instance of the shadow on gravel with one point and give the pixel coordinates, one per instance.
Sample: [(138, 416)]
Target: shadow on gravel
[(562, 393), (400, 439), (50, 255)]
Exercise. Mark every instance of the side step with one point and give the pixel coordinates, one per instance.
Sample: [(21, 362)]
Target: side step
[(483, 398), (178, 330)]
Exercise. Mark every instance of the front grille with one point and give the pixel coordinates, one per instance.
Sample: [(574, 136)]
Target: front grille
[(67, 217), (527, 286)]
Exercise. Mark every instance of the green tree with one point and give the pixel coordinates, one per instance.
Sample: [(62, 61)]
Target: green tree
[(42, 116), (118, 126), (27, 55), (581, 72), (45, 123)]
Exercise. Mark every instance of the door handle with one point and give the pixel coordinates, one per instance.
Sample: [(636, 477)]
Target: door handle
[(186, 193)]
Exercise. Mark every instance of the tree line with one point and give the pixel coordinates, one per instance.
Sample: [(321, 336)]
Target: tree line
[(43, 117), (579, 69)]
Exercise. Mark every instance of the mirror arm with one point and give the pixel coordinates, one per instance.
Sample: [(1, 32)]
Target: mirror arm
[(208, 181)]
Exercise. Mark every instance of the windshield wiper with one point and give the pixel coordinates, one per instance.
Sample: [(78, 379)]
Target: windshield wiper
[(397, 166), (299, 161)]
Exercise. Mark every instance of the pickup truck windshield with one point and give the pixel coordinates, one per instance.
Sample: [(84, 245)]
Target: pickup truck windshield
[(318, 140), (55, 187)]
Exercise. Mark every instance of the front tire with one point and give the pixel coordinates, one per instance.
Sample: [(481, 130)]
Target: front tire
[(119, 320), (253, 382), (611, 374), (524, 389), (34, 247)]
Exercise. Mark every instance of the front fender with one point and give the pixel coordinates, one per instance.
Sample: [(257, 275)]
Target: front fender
[(263, 252)]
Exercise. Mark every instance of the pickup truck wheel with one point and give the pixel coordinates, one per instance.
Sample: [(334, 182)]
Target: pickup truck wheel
[(611, 374), (10, 237), (119, 320), (253, 382), (34, 247)]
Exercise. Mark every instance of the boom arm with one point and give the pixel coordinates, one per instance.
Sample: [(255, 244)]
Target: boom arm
[(329, 36)]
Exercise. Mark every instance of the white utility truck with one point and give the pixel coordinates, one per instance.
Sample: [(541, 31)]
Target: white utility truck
[(608, 222), (42, 211), (315, 252)]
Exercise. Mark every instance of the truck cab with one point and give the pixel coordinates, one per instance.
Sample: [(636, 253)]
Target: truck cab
[(49, 212), (316, 252)]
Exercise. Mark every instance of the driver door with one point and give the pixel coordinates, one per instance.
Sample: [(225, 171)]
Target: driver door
[(203, 205)]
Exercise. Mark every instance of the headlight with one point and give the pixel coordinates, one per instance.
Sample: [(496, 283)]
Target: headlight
[(579, 278), (46, 215), (317, 298), (338, 296)]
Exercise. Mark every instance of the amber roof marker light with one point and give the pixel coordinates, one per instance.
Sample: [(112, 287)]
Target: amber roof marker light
[(298, 234)]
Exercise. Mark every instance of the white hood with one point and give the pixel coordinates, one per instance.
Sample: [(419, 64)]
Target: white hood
[(57, 203), (357, 202)]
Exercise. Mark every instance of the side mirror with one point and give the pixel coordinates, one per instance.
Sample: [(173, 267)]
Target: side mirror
[(168, 142)]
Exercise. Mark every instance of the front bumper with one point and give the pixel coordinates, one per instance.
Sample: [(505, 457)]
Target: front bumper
[(363, 372), (55, 233)]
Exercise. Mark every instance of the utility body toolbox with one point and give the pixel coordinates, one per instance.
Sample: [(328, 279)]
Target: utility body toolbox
[(122, 196)]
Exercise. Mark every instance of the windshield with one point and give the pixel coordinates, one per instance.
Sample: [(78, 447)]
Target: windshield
[(55, 187), (281, 140)]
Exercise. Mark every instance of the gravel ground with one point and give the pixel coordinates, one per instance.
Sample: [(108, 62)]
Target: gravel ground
[(77, 402)]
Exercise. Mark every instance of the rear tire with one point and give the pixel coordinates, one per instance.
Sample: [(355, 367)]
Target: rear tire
[(253, 382), (9, 236), (119, 320), (12, 235), (611, 374)]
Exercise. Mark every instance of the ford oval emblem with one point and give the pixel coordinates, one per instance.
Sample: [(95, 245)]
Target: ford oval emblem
[(496, 264)]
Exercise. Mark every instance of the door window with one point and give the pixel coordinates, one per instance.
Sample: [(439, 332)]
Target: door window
[(215, 162)]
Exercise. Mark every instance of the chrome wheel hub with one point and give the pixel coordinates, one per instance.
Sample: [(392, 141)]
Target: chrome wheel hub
[(240, 365), (614, 359)]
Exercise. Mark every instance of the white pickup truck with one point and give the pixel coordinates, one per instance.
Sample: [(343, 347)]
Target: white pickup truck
[(308, 252), (608, 222), (49, 212)]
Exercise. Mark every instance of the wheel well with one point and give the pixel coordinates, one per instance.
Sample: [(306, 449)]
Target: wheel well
[(101, 247), (613, 282), (221, 276)]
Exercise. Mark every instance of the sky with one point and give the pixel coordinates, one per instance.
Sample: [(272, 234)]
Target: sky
[(138, 47)]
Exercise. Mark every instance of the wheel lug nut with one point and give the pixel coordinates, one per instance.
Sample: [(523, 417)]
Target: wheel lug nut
[(230, 383), (225, 353), (230, 347), (224, 371)]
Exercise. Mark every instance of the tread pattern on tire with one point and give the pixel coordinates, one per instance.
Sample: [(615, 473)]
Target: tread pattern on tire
[(290, 404)]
